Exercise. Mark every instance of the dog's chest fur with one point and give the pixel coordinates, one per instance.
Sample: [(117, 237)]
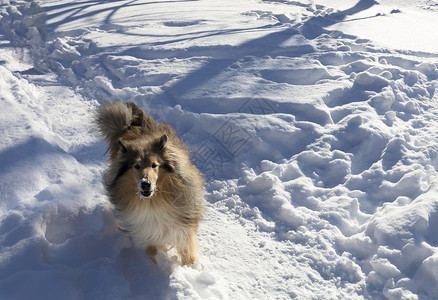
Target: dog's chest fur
[(150, 222)]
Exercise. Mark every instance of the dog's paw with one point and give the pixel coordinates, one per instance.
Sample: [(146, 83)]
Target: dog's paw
[(166, 263), (197, 265)]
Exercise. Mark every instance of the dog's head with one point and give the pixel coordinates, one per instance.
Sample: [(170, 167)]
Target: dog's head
[(141, 163)]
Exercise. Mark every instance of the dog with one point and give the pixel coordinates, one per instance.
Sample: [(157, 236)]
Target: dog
[(151, 181)]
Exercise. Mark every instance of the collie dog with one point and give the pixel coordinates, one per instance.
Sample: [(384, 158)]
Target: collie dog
[(156, 190)]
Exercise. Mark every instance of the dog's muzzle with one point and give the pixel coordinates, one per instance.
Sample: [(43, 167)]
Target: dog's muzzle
[(146, 188)]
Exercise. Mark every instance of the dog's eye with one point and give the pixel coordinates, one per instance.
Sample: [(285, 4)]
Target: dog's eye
[(137, 167), (154, 165)]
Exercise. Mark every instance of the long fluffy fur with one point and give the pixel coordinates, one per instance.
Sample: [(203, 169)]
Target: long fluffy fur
[(170, 218)]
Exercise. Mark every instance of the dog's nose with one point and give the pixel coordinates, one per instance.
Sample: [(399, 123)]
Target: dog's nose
[(145, 184)]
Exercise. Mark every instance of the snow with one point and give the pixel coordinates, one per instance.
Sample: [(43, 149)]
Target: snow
[(370, 16), (314, 123)]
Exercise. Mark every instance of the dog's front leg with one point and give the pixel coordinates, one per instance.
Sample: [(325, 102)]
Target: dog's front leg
[(190, 253), (152, 251)]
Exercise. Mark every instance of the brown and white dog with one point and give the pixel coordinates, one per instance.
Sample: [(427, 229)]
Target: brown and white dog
[(156, 190)]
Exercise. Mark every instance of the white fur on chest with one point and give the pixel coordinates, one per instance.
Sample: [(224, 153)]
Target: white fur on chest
[(154, 226)]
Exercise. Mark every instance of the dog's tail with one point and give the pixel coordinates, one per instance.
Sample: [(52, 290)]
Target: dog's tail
[(113, 119)]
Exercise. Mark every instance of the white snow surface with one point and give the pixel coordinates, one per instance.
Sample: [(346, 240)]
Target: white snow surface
[(318, 143)]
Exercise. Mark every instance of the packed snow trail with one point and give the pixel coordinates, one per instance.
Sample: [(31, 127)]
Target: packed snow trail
[(319, 149)]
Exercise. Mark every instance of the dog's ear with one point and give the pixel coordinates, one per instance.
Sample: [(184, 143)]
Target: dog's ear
[(168, 167), (122, 146), (162, 142)]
